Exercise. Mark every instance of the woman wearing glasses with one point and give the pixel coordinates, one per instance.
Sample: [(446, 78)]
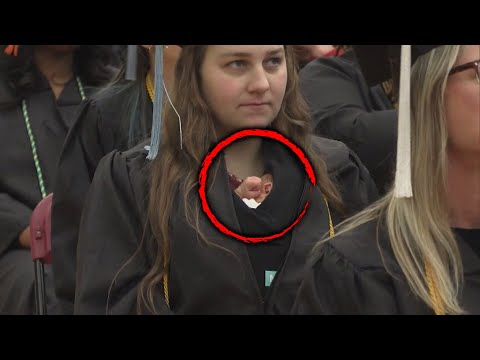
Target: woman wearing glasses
[(416, 252)]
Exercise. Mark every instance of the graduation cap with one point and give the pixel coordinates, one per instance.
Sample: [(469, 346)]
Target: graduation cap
[(159, 90), (378, 64)]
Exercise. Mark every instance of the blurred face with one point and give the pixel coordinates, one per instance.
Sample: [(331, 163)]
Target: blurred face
[(244, 85), (462, 100)]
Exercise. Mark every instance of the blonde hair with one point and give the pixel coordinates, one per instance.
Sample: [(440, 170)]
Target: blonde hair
[(418, 227)]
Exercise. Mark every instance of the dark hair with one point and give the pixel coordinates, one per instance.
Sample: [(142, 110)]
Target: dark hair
[(133, 118), (92, 63)]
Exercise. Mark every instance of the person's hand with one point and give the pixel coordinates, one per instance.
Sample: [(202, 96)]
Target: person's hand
[(24, 238), (250, 188), (255, 188)]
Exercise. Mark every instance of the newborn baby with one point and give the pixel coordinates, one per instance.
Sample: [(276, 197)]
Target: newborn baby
[(253, 190)]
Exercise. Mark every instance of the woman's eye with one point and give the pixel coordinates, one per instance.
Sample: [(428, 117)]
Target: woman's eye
[(274, 62), (237, 64)]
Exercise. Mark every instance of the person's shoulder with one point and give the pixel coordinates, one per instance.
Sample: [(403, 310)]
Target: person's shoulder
[(335, 153), (136, 157), (108, 102), (347, 172), (366, 248), (133, 162), (126, 174)]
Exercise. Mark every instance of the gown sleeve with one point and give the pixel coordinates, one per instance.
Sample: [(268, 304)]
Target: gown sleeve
[(349, 175), (111, 260), (343, 109), (14, 218), (76, 168), (355, 184), (335, 286)]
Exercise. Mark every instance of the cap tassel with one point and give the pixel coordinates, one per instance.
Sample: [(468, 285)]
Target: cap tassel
[(11, 50), (403, 176), (157, 104), (131, 66)]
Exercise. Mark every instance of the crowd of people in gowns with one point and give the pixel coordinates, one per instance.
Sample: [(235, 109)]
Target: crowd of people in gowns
[(374, 209)]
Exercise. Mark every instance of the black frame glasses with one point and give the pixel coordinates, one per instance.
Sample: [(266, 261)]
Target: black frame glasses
[(470, 65)]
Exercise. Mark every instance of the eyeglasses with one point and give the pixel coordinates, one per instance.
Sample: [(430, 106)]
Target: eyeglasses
[(471, 65)]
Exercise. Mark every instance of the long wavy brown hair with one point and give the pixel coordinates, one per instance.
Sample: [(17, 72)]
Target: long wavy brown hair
[(174, 172)]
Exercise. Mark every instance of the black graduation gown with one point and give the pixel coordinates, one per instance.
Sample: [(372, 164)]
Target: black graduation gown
[(95, 133), (346, 109), (215, 278), (19, 189), (348, 276)]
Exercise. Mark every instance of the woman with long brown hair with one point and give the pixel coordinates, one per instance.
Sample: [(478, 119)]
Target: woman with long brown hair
[(145, 244)]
